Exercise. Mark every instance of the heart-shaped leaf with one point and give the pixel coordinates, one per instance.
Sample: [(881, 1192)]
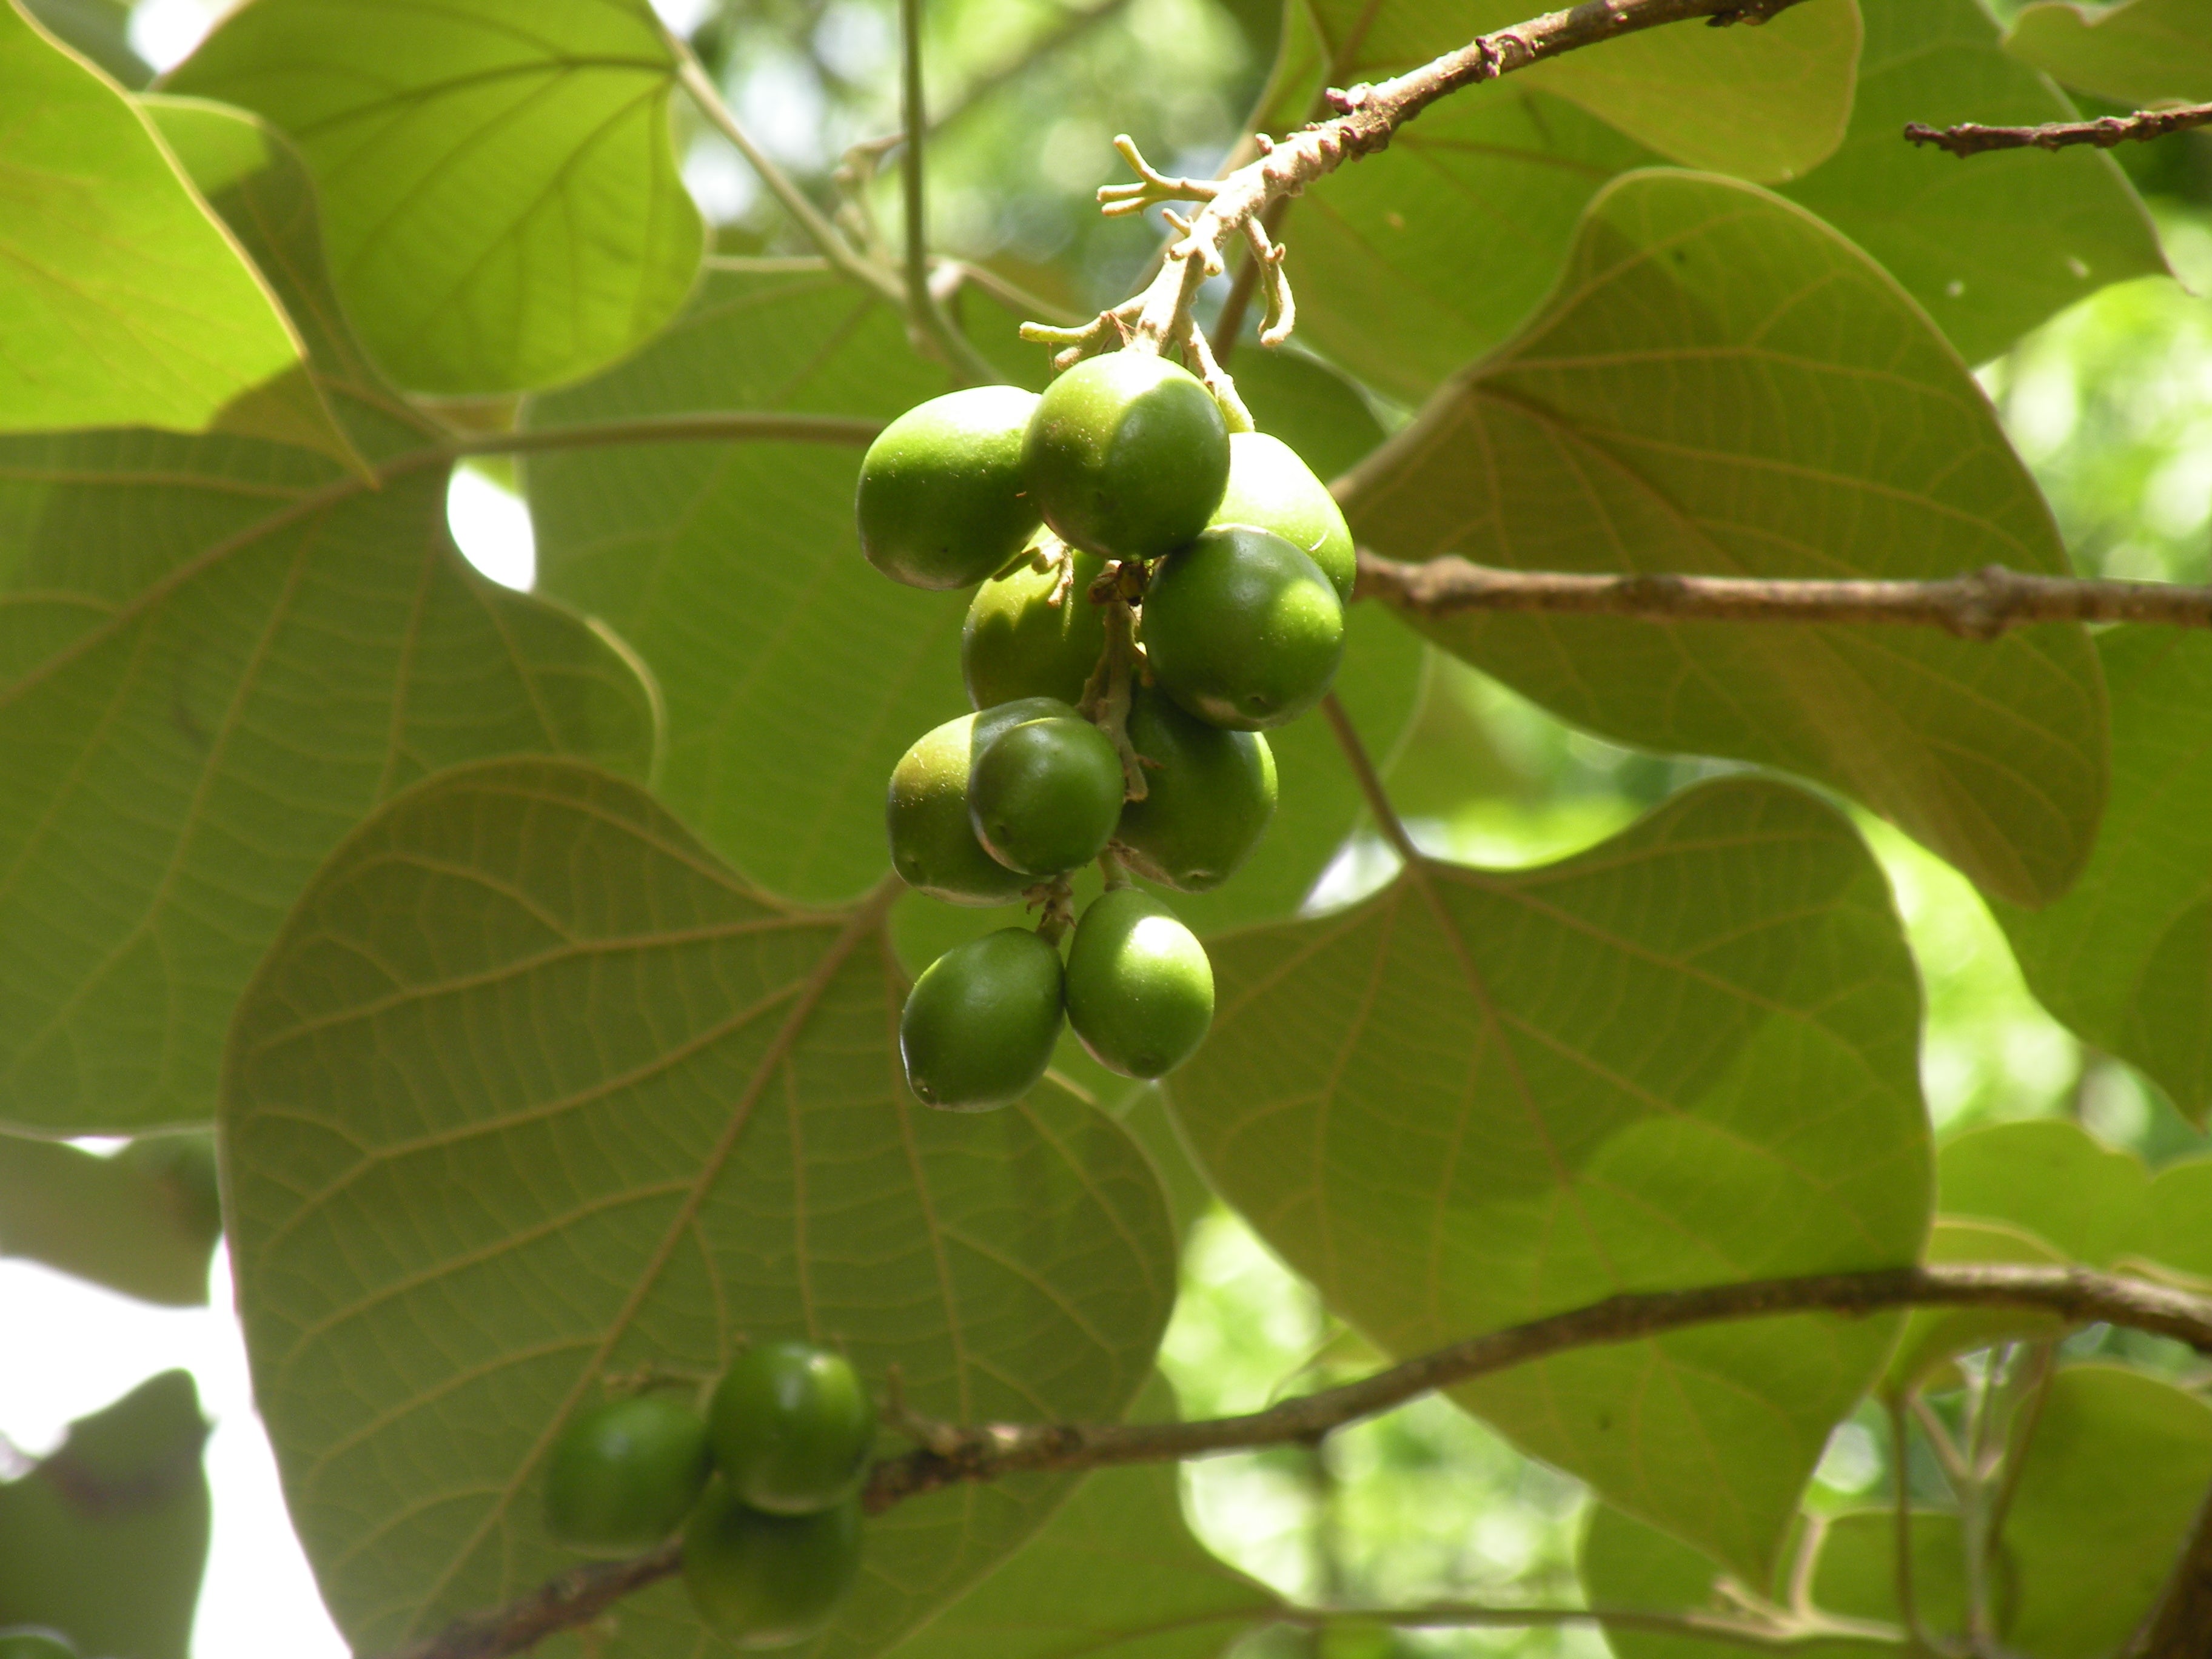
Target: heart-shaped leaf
[(498, 177), (2141, 52), (1724, 385), (532, 1090), (1683, 1057)]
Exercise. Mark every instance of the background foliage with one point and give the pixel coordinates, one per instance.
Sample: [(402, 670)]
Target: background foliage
[(528, 950)]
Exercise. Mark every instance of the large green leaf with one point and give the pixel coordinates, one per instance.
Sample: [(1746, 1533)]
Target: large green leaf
[(795, 675), (1990, 250), (1115, 1574), (143, 1221), (2142, 51), (1683, 1057), (215, 655), (499, 182), (531, 1089), (106, 1540), (123, 301), (2125, 959), (100, 29), (1723, 384), (1766, 103)]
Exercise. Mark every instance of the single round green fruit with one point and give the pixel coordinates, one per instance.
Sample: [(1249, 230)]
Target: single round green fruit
[(978, 1025), (769, 1581), (1243, 630), (1140, 988), (933, 846), (1126, 454), (1018, 643), (35, 1642), (1045, 795), (1270, 487), (623, 1475), (791, 1427), (944, 501), (1209, 795)]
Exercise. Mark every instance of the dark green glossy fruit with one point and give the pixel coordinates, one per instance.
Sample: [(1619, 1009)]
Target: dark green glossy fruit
[(791, 1426), (980, 1023), (35, 1642), (623, 1475), (943, 499), (1017, 643), (933, 846), (1270, 487), (1045, 794), (1207, 802), (769, 1581), (1126, 454), (1140, 988), (1243, 630)]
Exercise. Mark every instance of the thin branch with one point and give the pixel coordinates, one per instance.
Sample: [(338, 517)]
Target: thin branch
[(1367, 117), (1969, 138), (2176, 1625), (576, 1598), (1369, 781), (1980, 605), (1900, 1522), (925, 316)]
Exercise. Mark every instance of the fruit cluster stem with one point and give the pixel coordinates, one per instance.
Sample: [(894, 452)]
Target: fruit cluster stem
[(1107, 695)]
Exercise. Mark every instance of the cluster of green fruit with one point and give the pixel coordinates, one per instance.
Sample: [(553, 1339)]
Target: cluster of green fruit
[(766, 1486), (1156, 591)]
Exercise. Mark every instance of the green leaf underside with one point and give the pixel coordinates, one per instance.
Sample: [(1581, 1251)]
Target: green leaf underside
[(498, 177), (1683, 1057), (2142, 51), (126, 1494), (215, 655), (795, 674), (1765, 103), (1722, 385), (124, 302), (2125, 959), (532, 1089), (1115, 1574), (143, 1222), (1416, 262)]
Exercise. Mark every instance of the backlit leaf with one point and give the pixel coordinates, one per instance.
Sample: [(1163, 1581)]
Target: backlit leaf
[(530, 1089), (143, 1222), (1724, 385), (1683, 1057), (2141, 52), (498, 178)]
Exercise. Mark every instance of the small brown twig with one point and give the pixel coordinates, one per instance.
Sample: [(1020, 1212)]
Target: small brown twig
[(1971, 138), (1978, 605)]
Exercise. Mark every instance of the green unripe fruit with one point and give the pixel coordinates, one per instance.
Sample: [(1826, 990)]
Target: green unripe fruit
[(1243, 630), (980, 1023), (1209, 795), (944, 501), (623, 1475), (1127, 455), (1140, 988), (933, 845), (1270, 487), (769, 1581), (35, 1642), (792, 1428), (1045, 795), (1018, 643)]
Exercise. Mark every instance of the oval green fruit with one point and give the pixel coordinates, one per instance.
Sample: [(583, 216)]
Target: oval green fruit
[(1243, 630), (791, 1427), (623, 1475), (1209, 795), (944, 501), (35, 1642), (978, 1025), (1018, 643), (769, 1581), (1127, 455), (1270, 487), (1045, 795), (1140, 987), (933, 845)]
